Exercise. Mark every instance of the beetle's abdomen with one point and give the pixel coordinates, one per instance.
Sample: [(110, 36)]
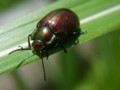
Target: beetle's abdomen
[(61, 21), (46, 18), (65, 20)]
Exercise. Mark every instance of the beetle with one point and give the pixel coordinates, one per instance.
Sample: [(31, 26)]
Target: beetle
[(56, 29)]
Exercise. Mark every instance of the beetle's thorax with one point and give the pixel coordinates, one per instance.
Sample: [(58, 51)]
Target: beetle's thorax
[(42, 34)]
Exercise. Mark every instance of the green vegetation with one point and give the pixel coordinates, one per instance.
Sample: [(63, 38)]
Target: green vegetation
[(104, 72)]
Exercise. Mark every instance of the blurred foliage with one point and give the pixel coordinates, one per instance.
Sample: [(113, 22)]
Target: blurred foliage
[(82, 72), (26, 24), (4, 4), (108, 59)]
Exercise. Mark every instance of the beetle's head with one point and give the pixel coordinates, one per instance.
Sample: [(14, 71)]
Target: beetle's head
[(38, 47)]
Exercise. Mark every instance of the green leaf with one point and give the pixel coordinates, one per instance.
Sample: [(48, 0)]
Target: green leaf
[(16, 32)]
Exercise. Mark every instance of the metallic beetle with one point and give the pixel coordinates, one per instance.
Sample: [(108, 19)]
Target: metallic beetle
[(56, 29)]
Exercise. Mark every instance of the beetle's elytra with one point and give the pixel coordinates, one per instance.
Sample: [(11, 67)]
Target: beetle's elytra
[(56, 29)]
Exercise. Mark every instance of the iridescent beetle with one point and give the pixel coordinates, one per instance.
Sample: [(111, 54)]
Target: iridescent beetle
[(56, 29)]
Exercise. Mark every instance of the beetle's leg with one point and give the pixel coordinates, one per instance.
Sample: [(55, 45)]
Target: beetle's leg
[(29, 46), (76, 34), (76, 42), (61, 44)]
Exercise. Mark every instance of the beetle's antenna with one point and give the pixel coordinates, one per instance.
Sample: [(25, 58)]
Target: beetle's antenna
[(44, 72), (85, 32)]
